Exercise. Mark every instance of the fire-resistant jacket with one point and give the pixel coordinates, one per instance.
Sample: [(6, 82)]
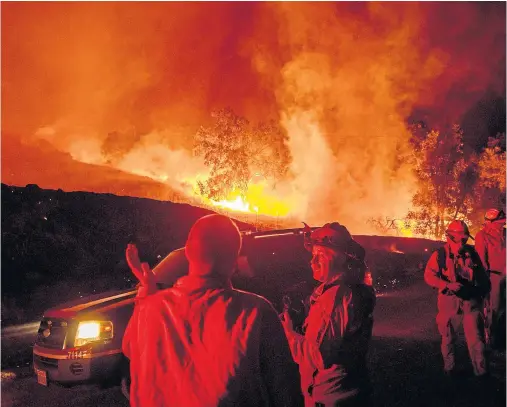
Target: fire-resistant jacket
[(490, 244), (332, 353), (465, 268), (202, 343)]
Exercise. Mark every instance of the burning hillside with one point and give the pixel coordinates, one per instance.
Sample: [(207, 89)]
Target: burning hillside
[(327, 89)]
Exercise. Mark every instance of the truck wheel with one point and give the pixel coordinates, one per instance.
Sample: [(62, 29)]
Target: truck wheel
[(110, 382)]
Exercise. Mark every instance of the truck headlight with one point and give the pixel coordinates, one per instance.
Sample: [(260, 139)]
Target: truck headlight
[(93, 331)]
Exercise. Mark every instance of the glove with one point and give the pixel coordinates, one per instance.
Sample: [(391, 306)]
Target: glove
[(454, 288)]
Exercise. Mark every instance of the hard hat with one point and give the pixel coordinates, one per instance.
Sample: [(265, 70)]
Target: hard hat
[(493, 215), (457, 230), (335, 236)]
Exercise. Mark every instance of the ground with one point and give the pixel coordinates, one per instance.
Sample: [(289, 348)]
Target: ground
[(404, 358)]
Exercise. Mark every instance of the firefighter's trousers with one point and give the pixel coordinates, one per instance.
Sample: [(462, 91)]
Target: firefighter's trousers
[(453, 309), (496, 304)]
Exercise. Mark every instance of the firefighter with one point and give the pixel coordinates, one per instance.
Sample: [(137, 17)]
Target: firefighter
[(202, 343), (490, 244), (332, 352), (456, 270)]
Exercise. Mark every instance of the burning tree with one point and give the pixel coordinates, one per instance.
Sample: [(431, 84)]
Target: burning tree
[(446, 181), (234, 150), (385, 225), (452, 184), (492, 164), (490, 188)]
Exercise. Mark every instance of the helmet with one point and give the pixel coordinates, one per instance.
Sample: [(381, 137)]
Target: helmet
[(458, 230), (334, 236), (493, 215)]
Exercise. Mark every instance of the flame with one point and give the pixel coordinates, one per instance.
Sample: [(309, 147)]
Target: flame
[(393, 249), (257, 201), (239, 204), (406, 229), (340, 78)]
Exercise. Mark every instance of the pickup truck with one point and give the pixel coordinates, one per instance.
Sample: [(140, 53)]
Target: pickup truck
[(81, 341)]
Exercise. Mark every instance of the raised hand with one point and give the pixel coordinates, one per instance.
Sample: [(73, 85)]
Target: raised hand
[(288, 326), (141, 271), (133, 261)]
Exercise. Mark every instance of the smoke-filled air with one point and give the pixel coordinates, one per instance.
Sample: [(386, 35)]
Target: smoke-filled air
[(134, 92)]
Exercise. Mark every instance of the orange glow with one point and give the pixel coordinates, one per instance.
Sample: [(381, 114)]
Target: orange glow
[(257, 201), (393, 249), (237, 205), (90, 104), (406, 230)]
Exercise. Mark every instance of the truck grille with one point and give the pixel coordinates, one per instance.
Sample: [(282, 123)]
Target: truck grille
[(46, 361), (76, 368), (52, 333)]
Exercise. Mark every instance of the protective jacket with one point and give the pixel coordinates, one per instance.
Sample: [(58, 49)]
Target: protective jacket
[(490, 244), (202, 343), (465, 267), (332, 352), (445, 267)]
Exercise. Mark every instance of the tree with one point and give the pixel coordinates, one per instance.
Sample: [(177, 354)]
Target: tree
[(269, 151), (385, 225), (446, 181), (492, 164), (234, 150), (490, 188)]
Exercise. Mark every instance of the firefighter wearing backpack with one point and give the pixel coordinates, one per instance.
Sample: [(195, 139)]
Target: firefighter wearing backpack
[(456, 270), (490, 244)]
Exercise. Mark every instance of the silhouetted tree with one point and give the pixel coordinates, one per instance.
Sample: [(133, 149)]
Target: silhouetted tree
[(234, 150)]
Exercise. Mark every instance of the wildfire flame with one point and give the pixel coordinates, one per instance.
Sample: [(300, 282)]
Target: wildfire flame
[(239, 204), (341, 79), (256, 201), (393, 249)]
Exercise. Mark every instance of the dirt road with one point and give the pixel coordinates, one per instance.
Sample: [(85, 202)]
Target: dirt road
[(404, 359), (405, 362)]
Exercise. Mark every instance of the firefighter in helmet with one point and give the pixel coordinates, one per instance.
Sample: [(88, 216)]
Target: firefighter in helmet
[(490, 244), (332, 352), (457, 271)]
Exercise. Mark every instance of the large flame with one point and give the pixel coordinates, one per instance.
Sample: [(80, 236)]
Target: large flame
[(256, 201), (239, 205), (340, 78)]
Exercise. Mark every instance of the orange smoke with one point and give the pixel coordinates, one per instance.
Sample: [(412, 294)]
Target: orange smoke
[(125, 86)]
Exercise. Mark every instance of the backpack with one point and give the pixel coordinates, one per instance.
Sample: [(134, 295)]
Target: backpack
[(442, 256), (471, 288)]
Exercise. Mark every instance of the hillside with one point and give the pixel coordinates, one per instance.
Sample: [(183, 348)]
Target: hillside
[(39, 162), (60, 245)]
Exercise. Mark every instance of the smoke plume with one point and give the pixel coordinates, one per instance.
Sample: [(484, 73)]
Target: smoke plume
[(126, 85)]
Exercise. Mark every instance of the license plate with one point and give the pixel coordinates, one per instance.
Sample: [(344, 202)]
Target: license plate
[(42, 377)]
